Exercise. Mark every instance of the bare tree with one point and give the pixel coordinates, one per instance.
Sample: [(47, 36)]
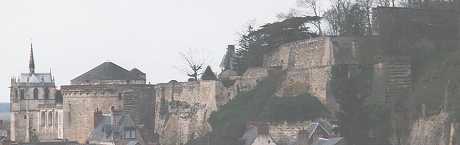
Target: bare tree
[(314, 7), (194, 63), (367, 5)]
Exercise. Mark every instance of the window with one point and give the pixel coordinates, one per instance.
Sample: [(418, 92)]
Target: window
[(56, 119), (16, 93), (50, 119), (70, 114), (47, 93), (130, 132), (35, 93), (22, 94), (42, 119)]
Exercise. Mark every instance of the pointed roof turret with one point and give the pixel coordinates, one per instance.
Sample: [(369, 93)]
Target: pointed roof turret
[(208, 74), (31, 60)]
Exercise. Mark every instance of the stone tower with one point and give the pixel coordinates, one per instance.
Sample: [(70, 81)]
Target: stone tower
[(105, 88), (36, 107)]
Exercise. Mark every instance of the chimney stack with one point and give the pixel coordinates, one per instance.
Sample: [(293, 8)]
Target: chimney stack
[(97, 117)]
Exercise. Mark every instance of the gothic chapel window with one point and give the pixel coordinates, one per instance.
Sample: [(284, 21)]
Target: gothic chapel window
[(16, 94), (42, 119), (21, 93), (50, 119), (47, 93), (56, 119)]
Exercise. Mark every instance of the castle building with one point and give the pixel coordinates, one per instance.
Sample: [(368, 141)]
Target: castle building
[(105, 88), (36, 107)]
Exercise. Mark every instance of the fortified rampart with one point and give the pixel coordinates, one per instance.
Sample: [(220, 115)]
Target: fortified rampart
[(310, 63), (183, 108), (234, 84)]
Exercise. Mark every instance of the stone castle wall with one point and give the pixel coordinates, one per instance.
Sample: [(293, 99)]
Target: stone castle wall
[(309, 64), (245, 82), (81, 101), (183, 108)]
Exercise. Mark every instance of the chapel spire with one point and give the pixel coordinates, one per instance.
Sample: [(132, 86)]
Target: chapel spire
[(31, 60)]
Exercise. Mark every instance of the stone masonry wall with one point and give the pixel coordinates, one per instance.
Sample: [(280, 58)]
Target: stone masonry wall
[(309, 63), (183, 108), (246, 82), (287, 133), (80, 103)]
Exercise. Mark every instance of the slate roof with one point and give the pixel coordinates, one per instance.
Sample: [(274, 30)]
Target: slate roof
[(249, 136), (107, 71), (136, 71)]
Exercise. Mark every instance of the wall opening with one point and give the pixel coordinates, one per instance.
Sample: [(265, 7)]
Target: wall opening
[(35, 93)]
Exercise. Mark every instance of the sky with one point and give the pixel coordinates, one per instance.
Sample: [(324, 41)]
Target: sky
[(70, 37)]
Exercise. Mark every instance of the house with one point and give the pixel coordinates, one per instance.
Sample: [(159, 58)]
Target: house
[(115, 128)]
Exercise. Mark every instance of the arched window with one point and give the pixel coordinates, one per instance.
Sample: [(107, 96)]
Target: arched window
[(50, 119), (42, 119), (21, 93), (35, 93), (56, 119), (47, 93), (58, 97), (16, 94)]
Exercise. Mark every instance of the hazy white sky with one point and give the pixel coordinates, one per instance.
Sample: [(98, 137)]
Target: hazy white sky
[(73, 36)]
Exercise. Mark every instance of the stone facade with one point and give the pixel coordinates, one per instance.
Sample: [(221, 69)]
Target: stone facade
[(36, 107), (82, 99), (309, 64), (287, 133), (183, 109)]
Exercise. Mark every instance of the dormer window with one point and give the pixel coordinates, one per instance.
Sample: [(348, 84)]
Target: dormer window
[(130, 133)]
